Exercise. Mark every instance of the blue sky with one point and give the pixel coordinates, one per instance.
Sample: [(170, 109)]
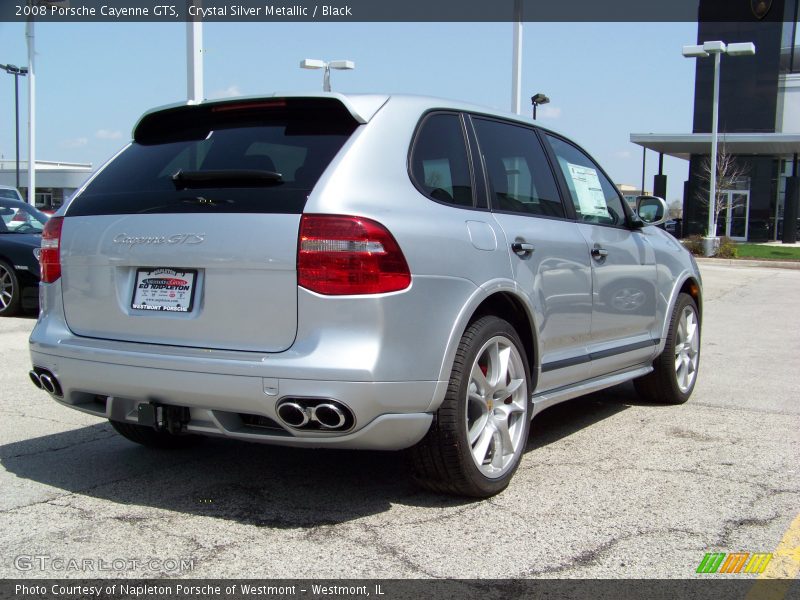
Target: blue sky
[(605, 80)]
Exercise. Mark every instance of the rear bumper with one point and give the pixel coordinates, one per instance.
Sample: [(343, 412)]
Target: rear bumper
[(362, 352), (388, 415)]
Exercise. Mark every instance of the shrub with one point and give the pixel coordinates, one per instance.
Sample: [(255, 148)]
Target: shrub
[(694, 244), (727, 248)]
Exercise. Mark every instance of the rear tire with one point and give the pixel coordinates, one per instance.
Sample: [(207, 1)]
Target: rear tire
[(147, 436), (10, 291), (675, 370), (480, 431)]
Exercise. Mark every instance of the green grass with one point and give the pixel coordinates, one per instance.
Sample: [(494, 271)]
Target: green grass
[(769, 252)]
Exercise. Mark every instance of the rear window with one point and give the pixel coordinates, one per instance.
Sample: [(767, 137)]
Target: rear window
[(237, 157)]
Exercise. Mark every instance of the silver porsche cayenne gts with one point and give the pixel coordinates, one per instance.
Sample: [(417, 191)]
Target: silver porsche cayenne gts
[(376, 272)]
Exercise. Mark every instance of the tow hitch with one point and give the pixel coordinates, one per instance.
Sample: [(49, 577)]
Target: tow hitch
[(163, 418)]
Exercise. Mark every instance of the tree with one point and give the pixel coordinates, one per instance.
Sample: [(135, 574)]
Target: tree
[(729, 174)]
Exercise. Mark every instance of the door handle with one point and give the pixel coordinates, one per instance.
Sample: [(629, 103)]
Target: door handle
[(599, 253), (522, 248)]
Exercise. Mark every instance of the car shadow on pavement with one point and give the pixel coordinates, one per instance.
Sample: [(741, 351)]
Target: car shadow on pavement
[(562, 420), (255, 484)]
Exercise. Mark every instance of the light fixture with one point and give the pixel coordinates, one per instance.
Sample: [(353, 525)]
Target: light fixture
[(537, 100), (342, 65)]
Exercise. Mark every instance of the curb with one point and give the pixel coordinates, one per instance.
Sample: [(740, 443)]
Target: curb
[(739, 262)]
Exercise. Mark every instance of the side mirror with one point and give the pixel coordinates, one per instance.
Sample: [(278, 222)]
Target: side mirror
[(652, 210)]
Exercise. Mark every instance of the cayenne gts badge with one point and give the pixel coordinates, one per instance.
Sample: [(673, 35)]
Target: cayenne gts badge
[(189, 239)]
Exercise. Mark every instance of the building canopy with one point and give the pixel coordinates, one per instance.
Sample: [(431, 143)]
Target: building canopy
[(683, 145)]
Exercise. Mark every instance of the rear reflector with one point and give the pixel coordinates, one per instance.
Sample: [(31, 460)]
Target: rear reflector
[(50, 256), (341, 255)]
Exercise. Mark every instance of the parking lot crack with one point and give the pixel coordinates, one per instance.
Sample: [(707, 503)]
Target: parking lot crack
[(592, 556), (386, 549)]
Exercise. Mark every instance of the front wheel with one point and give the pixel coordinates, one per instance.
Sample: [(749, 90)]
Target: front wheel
[(480, 431), (675, 370)]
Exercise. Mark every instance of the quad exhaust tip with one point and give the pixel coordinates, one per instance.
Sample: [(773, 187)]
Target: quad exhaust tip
[(35, 379), (314, 414), (45, 380)]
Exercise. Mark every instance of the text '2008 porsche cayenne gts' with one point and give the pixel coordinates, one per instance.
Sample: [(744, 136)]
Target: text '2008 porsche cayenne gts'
[(374, 272)]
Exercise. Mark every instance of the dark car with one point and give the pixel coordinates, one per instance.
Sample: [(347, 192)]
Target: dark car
[(675, 227), (20, 235)]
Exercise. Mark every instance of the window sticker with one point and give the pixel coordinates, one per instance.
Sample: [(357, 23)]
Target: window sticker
[(591, 199)]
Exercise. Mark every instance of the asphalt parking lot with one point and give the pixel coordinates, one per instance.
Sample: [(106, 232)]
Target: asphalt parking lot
[(610, 487)]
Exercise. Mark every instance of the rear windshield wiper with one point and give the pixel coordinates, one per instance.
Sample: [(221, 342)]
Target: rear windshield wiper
[(225, 178)]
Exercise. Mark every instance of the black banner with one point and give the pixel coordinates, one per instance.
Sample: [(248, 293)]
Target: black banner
[(363, 10), (706, 588)]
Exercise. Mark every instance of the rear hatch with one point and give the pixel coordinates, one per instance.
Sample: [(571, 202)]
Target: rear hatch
[(189, 236)]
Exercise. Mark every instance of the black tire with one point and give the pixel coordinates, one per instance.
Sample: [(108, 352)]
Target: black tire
[(10, 291), (443, 461), (147, 436), (663, 385)]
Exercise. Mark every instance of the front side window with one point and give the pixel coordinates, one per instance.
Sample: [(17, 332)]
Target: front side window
[(439, 163), (594, 197), (520, 179)]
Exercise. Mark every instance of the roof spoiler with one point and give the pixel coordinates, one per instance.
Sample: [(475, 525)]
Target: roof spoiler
[(361, 108)]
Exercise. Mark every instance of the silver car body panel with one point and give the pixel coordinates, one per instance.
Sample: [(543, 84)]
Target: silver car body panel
[(387, 357)]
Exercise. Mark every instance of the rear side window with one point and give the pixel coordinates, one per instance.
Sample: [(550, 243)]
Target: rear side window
[(520, 178), (439, 163), (595, 198), (262, 157)]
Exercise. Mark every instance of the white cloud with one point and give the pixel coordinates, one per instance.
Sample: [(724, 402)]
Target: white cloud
[(229, 92), (548, 112), (108, 134), (623, 154), (75, 143)]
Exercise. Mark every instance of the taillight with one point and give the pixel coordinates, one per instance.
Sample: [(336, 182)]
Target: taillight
[(50, 256), (340, 255)]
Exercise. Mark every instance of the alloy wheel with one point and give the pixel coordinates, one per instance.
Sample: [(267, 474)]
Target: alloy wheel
[(687, 349), (497, 407)]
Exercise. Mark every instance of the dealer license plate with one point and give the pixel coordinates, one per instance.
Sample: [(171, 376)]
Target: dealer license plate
[(164, 289)]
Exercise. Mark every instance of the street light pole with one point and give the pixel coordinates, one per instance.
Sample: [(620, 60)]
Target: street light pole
[(29, 34), (717, 48), (712, 186), (516, 62), (16, 72)]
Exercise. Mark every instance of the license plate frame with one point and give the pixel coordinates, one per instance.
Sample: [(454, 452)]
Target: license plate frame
[(164, 289)]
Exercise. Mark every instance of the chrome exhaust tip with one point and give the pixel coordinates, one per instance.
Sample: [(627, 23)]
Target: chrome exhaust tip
[(315, 414), (48, 383), (45, 380), (35, 379), (329, 416), (293, 414)]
